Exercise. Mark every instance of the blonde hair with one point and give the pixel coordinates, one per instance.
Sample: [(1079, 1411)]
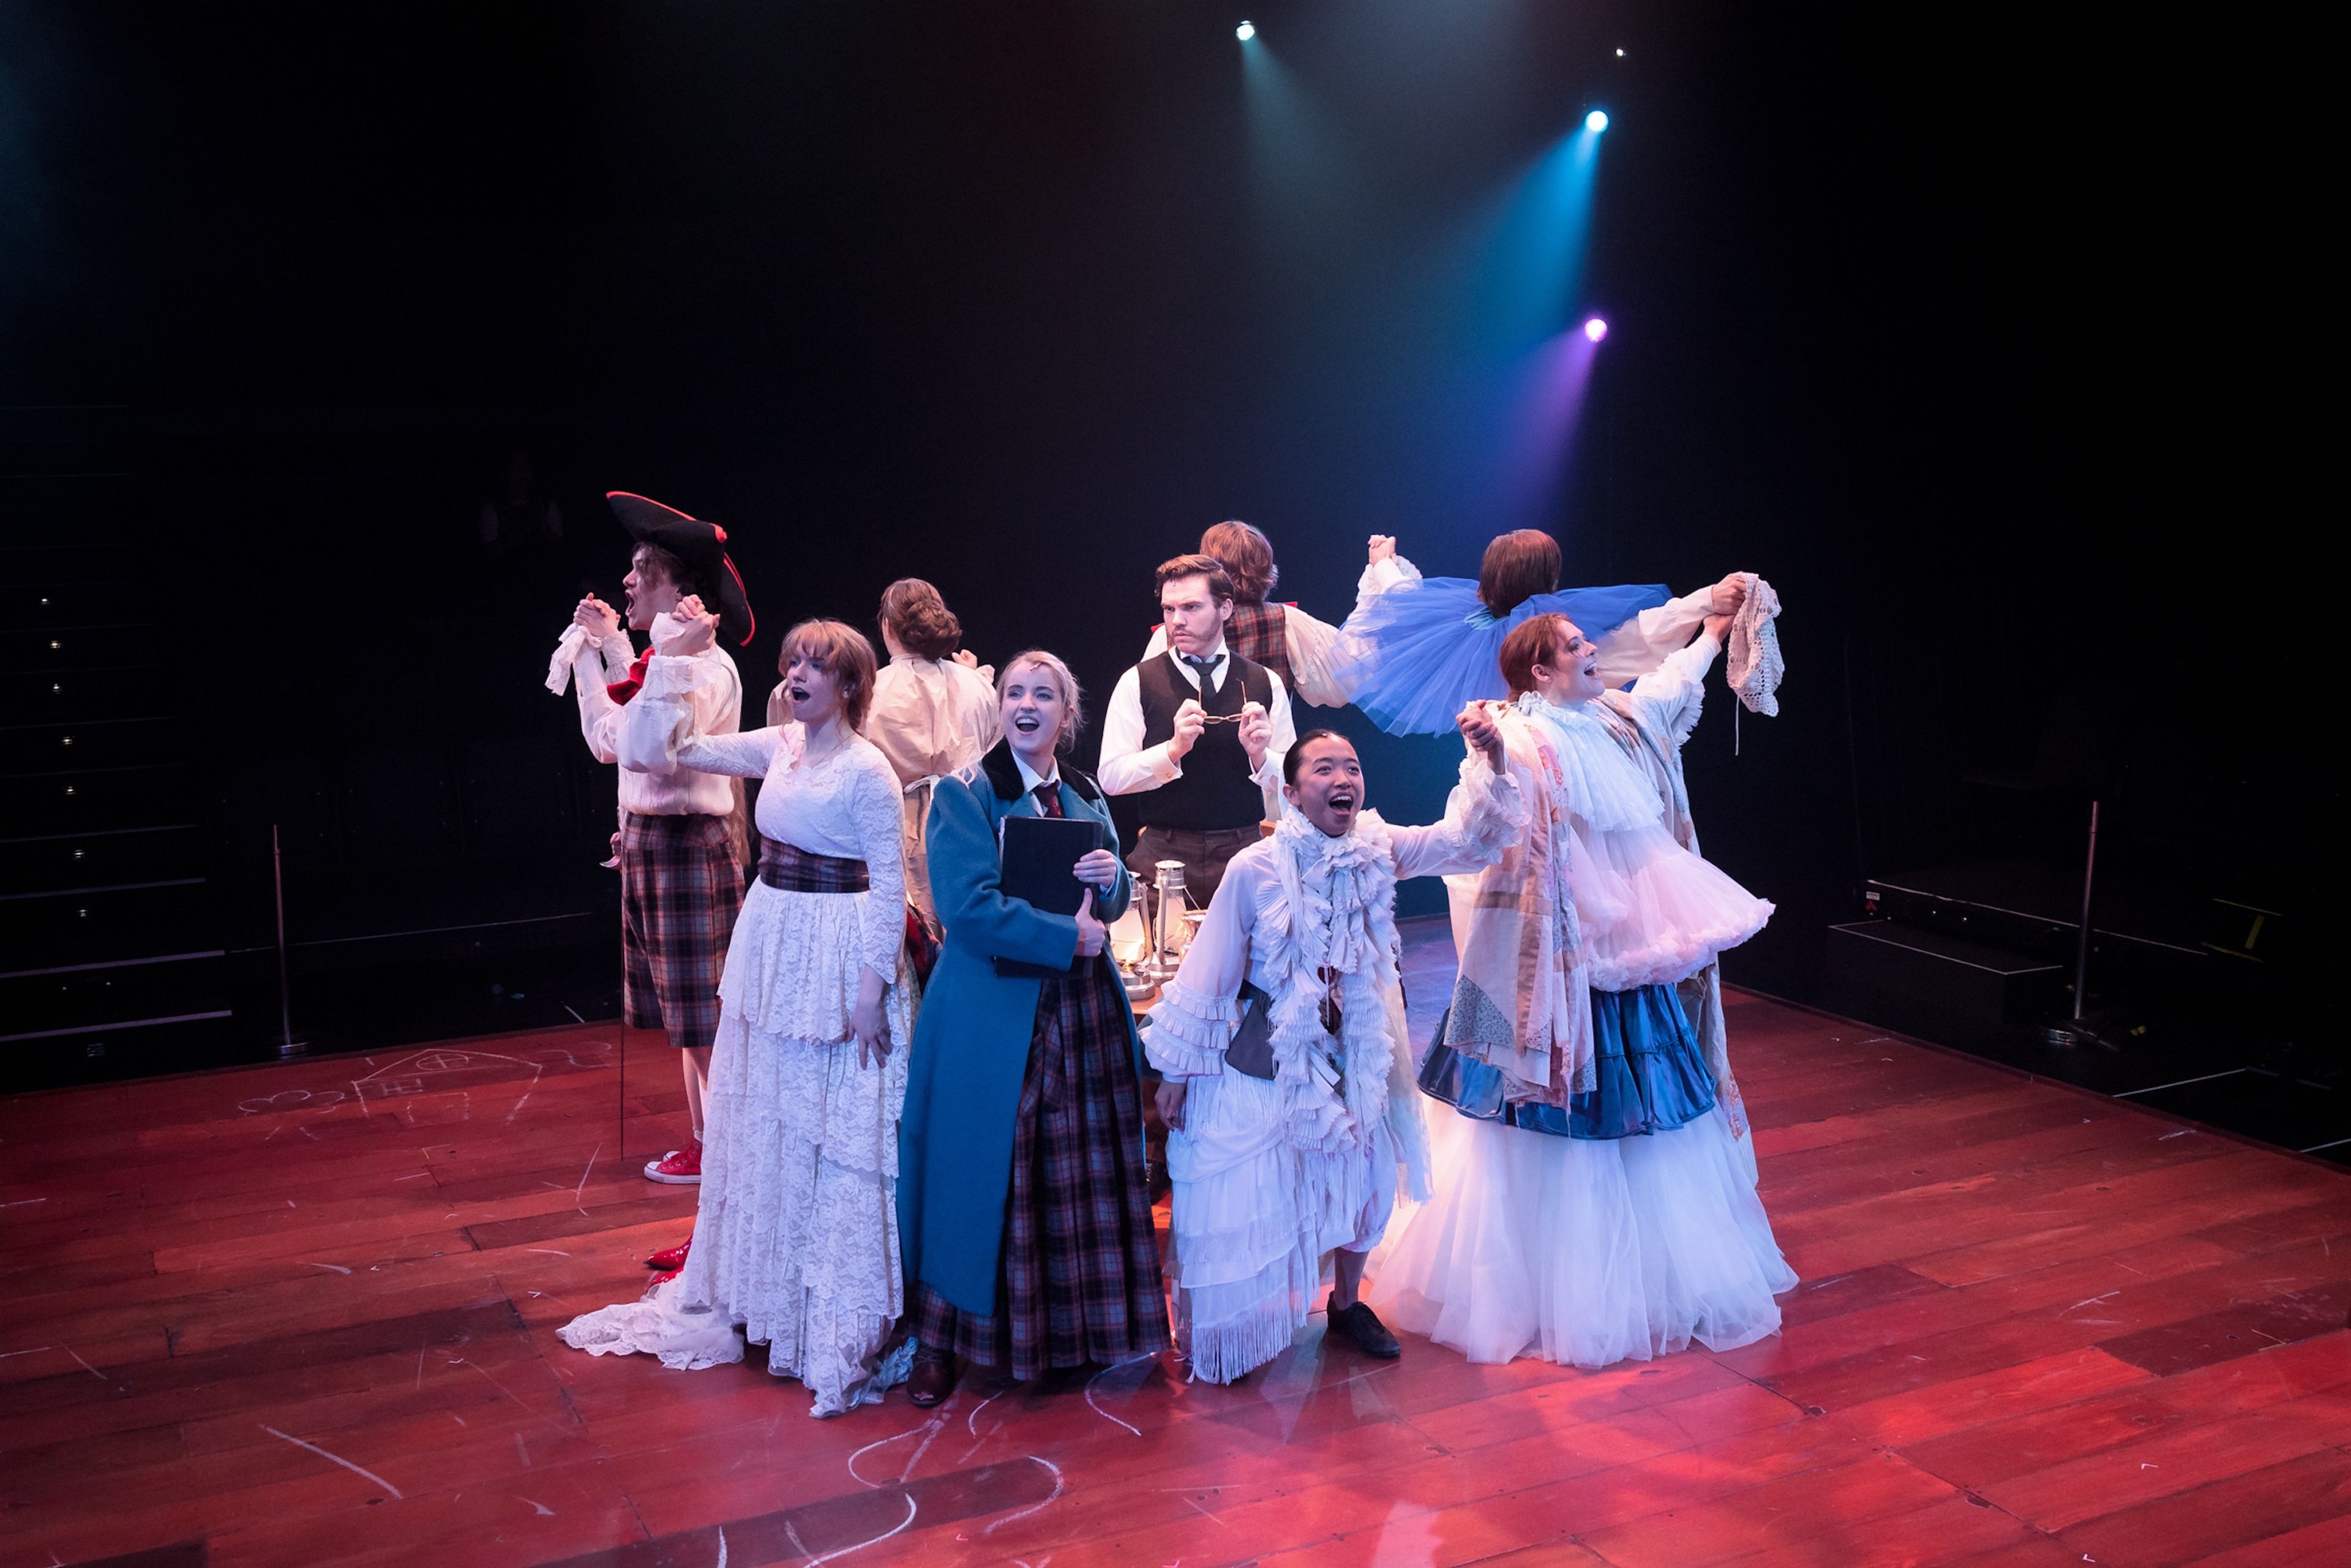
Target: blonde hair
[(841, 649), (1073, 721)]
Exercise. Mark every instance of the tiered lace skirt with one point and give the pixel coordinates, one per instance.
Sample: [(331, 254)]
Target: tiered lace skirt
[(796, 1239)]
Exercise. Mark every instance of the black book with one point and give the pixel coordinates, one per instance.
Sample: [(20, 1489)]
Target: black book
[(1034, 858)]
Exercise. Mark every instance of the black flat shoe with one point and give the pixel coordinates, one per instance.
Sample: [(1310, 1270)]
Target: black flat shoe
[(932, 1380), (1362, 1325)]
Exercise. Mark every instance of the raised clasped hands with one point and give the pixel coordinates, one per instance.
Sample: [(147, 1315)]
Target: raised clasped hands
[(1097, 868), (693, 629), (1382, 548), (596, 618), (1478, 728), (1191, 719)]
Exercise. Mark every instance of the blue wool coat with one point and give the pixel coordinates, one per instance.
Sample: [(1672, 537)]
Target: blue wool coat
[(971, 1039)]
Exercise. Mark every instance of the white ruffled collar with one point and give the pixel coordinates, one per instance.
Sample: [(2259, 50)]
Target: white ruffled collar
[(1338, 888), (1589, 769)]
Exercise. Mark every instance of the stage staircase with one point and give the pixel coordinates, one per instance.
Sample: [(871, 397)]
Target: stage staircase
[(111, 959)]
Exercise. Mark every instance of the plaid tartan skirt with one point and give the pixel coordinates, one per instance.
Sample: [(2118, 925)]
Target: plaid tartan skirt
[(680, 892), (1077, 1274)]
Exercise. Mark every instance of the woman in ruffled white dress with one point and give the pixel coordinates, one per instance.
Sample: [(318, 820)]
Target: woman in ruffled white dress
[(1590, 1204), (1283, 1040), (796, 1240)]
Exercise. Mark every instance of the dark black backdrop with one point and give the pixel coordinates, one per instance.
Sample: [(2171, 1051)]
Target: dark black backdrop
[(1976, 334)]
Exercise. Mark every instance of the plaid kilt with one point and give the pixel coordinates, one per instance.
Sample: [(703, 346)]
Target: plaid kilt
[(1078, 1276), (680, 892)]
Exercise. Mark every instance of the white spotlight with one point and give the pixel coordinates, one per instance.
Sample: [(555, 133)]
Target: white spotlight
[(1620, 54), (1595, 329), (1246, 31), (1596, 121)]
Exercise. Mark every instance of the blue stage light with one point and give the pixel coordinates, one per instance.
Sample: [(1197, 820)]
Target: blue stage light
[(1596, 121), (1246, 31), (1595, 329)]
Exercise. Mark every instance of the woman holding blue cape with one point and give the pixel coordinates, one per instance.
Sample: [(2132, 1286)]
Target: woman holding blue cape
[(1418, 653)]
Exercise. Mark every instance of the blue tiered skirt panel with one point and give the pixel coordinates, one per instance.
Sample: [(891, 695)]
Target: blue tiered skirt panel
[(1652, 1077)]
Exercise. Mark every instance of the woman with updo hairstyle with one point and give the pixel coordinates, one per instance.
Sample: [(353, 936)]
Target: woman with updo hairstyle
[(933, 712), (1024, 1202), (796, 1236)]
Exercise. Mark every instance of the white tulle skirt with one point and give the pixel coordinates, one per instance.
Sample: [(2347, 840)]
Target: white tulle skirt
[(1582, 1251), (1253, 1218), (1652, 913), (795, 1234)]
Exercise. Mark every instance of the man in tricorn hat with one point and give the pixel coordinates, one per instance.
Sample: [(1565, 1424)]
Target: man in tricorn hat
[(681, 872)]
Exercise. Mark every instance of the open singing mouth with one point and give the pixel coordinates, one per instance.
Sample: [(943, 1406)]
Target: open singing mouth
[(1027, 722)]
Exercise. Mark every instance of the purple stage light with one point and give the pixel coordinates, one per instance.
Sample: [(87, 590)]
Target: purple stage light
[(1595, 329)]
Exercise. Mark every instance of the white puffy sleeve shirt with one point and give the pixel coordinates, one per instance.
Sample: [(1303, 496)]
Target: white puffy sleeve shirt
[(699, 695), (930, 717)]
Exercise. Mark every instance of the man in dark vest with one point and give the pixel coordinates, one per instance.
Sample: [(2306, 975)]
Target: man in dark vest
[(1198, 732), (1302, 650)]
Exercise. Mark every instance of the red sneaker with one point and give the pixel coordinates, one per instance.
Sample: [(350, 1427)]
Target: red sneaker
[(679, 1168), (671, 1257)]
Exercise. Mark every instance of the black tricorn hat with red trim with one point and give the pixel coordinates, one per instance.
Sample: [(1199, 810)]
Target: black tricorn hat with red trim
[(703, 546)]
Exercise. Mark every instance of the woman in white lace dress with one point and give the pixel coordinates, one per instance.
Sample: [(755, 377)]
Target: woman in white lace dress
[(796, 1241)]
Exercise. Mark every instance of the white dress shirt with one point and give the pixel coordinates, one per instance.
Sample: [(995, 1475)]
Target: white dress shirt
[(1310, 643), (1128, 767), (655, 784), (1031, 778)]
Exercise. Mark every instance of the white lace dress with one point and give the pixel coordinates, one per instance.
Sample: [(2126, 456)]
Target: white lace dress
[(796, 1240)]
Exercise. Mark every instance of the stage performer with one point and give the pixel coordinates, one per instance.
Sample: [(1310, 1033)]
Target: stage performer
[(933, 712), (1411, 654), (1198, 732), (1591, 1205), (1023, 1197), (1651, 721), (680, 838), (796, 1241), (1288, 1067), (1282, 637)]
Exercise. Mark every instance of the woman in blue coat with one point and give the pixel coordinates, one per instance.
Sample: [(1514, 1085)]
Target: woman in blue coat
[(1024, 1204)]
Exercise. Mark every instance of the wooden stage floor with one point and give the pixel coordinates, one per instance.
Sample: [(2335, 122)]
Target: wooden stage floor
[(305, 1313)]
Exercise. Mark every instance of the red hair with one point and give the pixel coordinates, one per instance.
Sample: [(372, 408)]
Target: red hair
[(1534, 641)]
